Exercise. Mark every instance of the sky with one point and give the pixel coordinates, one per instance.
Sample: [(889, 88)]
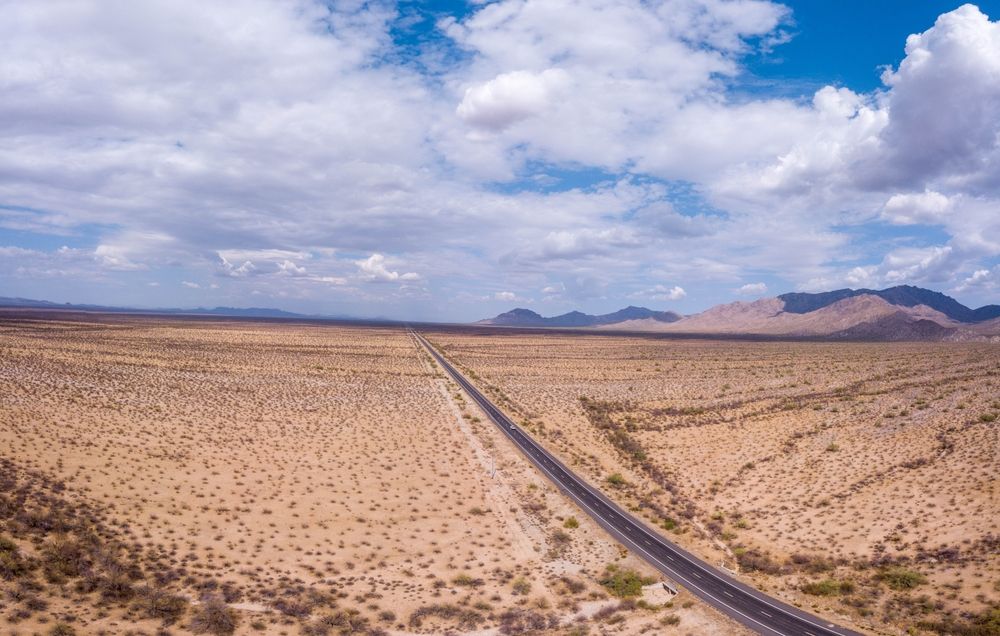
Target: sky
[(449, 160)]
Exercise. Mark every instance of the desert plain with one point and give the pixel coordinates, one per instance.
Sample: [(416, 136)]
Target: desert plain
[(179, 475)]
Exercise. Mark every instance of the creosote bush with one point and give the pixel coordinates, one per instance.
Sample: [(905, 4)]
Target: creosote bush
[(214, 617), (828, 587), (900, 578), (623, 582)]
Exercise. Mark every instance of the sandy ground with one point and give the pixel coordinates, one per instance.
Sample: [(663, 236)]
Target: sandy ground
[(869, 469), (302, 478)]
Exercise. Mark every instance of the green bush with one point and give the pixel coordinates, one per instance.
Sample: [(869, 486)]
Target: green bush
[(828, 587), (616, 480), (521, 586), (12, 565), (899, 578), (464, 580), (623, 582), (571, 523)]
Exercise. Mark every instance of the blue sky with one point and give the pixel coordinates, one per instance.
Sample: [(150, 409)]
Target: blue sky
[(447, 160)]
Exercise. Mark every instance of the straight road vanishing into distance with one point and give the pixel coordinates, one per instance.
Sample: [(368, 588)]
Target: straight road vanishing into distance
[(752, 608)]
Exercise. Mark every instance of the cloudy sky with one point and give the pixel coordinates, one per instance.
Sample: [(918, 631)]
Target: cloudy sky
[(450, 159)]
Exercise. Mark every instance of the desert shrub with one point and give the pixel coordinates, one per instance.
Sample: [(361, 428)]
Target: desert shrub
[(13, 565), (573, 586), (623, 582), (615, 480), (899, 578), (466, 619), (387, 616), (157, 603), (62, 629), (63, 556), (811, 563), (214, 617), (36, 603), (561, 538), (671, 619), (521, 586), (988, 417), (985, 624), (7, 545), (828, 587), (464, 580), (754, 560), (571, 523), (109, 576), (294, 607), (345, 621), (520, 621)]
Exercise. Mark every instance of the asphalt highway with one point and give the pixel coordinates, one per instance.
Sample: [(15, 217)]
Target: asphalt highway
[(748, 606)]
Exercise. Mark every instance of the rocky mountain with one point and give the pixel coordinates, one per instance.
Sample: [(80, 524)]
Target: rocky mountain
[(521, 317), (902, 296), (897, 313)]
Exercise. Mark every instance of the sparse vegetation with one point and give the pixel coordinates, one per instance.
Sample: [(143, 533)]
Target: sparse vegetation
[(900, 578), (624, 582)]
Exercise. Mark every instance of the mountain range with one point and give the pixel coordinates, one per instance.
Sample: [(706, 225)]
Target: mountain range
[(526, 318), (897, 313), (245, 312)]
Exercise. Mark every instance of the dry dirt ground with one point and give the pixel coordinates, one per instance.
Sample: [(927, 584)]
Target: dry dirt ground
[(857, 480), (178, 475)]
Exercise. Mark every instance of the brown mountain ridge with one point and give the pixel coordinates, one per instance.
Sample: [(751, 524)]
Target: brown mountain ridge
[(897, 313)]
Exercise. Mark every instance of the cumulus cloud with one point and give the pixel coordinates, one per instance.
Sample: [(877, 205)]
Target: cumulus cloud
[(981, 279), (944, 105), (190, 285), (271, 143), (374, 268), (511, 97), (661, 292), (752, 289), (908, 209)]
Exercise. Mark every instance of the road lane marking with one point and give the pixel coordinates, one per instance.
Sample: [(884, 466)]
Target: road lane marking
[(535, 448)]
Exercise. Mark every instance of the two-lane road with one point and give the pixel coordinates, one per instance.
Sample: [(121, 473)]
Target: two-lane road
[(754, 609)]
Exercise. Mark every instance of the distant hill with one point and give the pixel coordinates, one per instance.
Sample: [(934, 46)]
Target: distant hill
[(248, 312), (521, 317), (902, 295), (897, 313)]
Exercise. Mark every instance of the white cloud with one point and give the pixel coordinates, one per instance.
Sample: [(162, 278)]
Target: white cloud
[(190, 285), (374, 268), (752, 289), (246, 268), (661, 292), (675, 293), (982, 279), (289, 268), (925, 207), (505, 296), (261, 142), (511, 97)]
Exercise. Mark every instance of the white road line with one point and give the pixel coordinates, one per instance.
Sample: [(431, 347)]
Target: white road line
[(599, 517)]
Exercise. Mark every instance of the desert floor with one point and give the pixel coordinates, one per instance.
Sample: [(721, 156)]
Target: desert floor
[(178, 475), (857, 480)]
